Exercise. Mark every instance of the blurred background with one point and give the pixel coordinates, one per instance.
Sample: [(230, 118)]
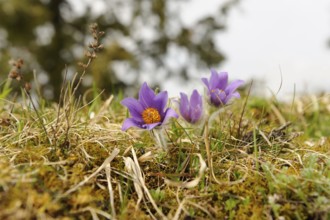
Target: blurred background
[(170, 43)]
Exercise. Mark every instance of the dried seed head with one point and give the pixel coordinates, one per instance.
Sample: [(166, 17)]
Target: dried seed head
[(88, 54), (93, 26), (20, 63), (95, 44), (82, 65), (13, 74), (12, 62), (27, 86), (100, 47), (95, 36)]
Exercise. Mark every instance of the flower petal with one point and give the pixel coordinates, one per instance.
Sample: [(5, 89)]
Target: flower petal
[(218, 97), (196, 114), (134, 107), (236, 95), (232, 95), (146, 96), (130, 122), (195, 99), (151, 126), (160, 101), (169, 113), (233, 86), (214, 79), (223, 80), (184, 106), (206, 82)]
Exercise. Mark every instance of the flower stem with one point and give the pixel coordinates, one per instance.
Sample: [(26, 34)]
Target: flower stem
[(159, 137), (208, 121), (207, 142)]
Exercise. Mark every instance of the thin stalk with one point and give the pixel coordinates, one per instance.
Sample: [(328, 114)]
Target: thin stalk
[(255, 147), (243, 111), (39, 117), (208, 150), (207, 143), (159, 137)]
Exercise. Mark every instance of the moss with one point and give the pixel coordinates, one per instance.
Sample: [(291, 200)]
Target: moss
[(283, 175)]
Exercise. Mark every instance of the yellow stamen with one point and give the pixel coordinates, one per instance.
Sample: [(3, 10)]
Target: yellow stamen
[(213, 91), (151, 115)]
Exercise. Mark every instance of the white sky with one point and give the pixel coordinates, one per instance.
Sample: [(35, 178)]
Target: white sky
[(263, 39), (264, 36)]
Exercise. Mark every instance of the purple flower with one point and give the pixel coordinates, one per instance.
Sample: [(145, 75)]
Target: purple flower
[(219, 91), (148, 111), (191, 110)]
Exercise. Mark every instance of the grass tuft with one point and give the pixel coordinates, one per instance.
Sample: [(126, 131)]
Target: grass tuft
[(273, 171)]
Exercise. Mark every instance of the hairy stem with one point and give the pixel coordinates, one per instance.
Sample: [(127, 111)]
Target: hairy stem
[(158, 134)]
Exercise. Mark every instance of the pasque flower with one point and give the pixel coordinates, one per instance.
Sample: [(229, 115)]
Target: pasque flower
[(149, 110), (191, 110), (219, 90)]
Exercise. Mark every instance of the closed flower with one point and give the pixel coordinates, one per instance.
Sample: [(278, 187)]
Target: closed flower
[(191, 110)]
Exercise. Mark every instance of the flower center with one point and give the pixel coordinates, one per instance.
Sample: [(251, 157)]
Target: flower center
[(215, 90), (151, 115)]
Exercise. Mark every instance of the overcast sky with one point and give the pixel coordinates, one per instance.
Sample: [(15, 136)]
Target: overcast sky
[(267, 37)]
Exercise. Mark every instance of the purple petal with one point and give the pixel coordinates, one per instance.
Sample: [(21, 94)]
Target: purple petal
[(146, 96), (218, 97), (195, 99), (206, 82), (214, 79), (196, 113), (134, 107), (223, 80), (236, 95), (160, 101), (196, 106), (232, 95), (130, 122), (184, 106), (233, 86), (169, 113), (151, 126)]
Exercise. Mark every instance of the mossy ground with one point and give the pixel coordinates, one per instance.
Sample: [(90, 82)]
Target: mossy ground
[(264, 167)]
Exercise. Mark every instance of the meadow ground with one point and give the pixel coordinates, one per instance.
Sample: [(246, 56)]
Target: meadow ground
[(267, 160), (256, 158)]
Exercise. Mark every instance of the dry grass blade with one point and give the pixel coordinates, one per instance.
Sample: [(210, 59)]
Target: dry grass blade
[(146, 157), (264, 137), (129, 165), (105, 163), (134, 170), (178, 211), (103, 110), (94, 213), (278, 114), (111, 195), (200, 208), (194, 182)]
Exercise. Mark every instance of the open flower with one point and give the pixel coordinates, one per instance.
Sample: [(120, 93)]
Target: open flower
[(191, 110), (219, 90), (148, 111)]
